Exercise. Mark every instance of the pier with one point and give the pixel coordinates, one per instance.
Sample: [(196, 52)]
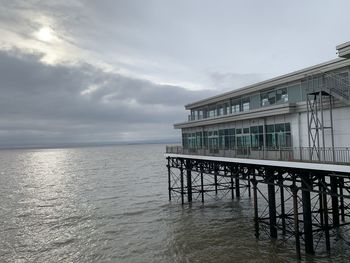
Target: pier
[(301, 202), (283, 141)]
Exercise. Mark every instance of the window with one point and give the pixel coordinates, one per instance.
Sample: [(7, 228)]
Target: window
[(281, 95), (200, 114), (274, 97), (270, 128), (221, 139), (220, 111), (212, 113), (246, 104), (278, 135), (205, 139), (268, 98), (213, 139), (227, 109), (257, 136), (236, 106), (231, 138), (199, 140)]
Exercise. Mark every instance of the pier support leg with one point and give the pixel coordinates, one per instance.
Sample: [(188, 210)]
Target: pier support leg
[(182, 183), (283, 212), (216, 179), (296, 220), (238, 194), (189, 181), (325, 214), (342, 208), (232, 188), (307, 216), (256, 215), (249, 191), (335, 201), (169, 178), (320, 200), (202, 184), (272, 203)]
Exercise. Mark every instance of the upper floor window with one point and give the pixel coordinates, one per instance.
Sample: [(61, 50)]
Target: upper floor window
[(200, 114), (212, 113), (245, 104), (221, 111), (268, 98), (274, 97), (281, 95)]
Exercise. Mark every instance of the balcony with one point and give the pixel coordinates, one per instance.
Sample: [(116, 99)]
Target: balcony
[(338, 155)]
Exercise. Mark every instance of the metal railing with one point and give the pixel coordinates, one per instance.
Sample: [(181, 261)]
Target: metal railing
[(338, 155)]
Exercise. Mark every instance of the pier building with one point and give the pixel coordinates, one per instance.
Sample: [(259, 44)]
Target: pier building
[(289, 134)]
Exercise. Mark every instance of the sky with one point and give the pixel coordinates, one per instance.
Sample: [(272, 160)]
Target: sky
[(82, 71)]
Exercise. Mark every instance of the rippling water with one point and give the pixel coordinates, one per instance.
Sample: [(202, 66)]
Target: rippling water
[(109, 204)]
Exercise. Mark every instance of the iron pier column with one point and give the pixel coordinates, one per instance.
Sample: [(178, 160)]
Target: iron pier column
[(255, 198), (189, 180), (325, 212), (232, 187), (335, 201), (249, 191), (306, 185), (238, 194), (182, 182), (283, 213), (342, 208), (320, 199), (202, 184), (272, 202), (294, 190), (169, 178), (216, 178)]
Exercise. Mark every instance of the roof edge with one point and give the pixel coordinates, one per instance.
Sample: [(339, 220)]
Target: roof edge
[(272, 82)]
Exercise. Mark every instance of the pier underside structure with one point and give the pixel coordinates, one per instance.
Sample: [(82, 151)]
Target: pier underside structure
[(294, 202)]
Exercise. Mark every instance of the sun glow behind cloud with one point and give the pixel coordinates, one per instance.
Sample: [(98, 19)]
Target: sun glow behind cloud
[(45, 34)]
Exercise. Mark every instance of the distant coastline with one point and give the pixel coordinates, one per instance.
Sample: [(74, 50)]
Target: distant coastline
[(87, 144)]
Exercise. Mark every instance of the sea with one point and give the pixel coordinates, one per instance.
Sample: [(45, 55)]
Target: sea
[(110, 204)]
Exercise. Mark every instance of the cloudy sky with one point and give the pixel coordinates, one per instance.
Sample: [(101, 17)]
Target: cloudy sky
[(110, 70)]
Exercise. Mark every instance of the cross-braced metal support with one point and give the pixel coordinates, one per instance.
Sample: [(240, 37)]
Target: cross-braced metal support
[(305, 204)]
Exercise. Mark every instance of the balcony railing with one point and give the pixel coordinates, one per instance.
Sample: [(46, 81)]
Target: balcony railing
[(338, 155)]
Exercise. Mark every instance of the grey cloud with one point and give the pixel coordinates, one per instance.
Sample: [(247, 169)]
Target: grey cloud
[(39, 101), (230, 81)]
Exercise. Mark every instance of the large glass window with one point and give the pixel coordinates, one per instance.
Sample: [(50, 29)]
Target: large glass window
[(236, 106), (205, 139), (268, 98), (213, 139), (199, 140), (278, 135), (274, 97), (245, 104), (257, 136), (212, 112), (221, 139), (220, 111), (227, 108), (200, 114), (281, 95)]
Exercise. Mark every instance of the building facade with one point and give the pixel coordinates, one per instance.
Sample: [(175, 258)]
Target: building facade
[(298, 116)]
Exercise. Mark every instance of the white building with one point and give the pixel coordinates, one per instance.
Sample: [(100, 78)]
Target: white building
[(303, 115)]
